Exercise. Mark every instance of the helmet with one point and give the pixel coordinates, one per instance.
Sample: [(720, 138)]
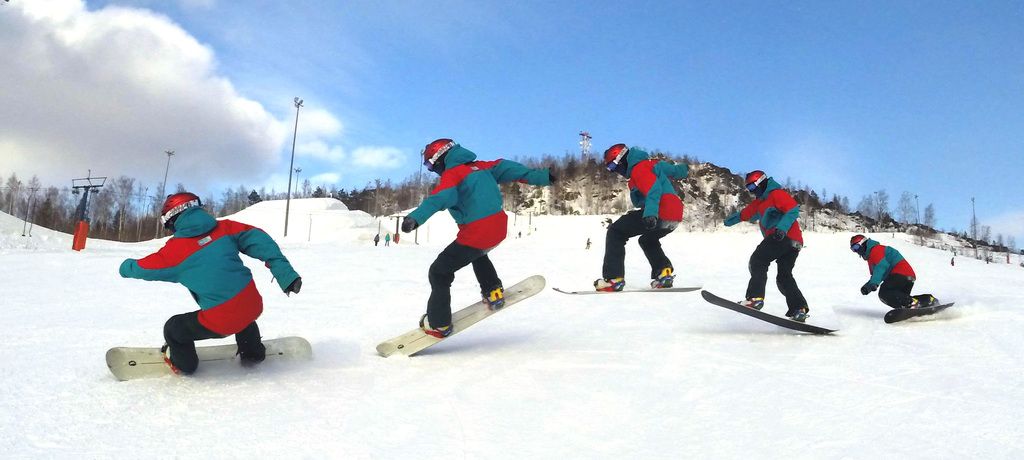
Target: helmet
[(756, 182), (858, 244), (433, 154), (175, 204), (615, 158)]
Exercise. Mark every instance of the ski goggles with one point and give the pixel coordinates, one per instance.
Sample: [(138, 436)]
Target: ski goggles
[(751, 187), (855, 247)]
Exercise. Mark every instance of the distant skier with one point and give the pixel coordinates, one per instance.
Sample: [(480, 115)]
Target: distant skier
[(777, 212), (468, 189), (203, 256), (387, 239), (588, 243), (376, 239), (661, 211), (891, 274)]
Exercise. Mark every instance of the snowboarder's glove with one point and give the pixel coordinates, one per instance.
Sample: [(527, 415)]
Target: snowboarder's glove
[(551, 178), (409, 224), (294, 287), (868, 287), (733, 219), (650, 222), (777, 235)]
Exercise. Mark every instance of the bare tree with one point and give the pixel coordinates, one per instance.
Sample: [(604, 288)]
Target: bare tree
[(906, 210), (929, 216)]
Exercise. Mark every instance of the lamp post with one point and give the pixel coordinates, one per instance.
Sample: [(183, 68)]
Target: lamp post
[(297, 182), (163, 190), (288, 202), (917, 207)]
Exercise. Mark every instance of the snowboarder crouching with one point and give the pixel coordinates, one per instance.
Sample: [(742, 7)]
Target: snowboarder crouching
[(661, 211), (468, 189), (203, 256), (777, 213), (891, 274)]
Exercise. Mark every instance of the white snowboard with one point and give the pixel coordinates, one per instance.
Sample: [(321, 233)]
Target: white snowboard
[(416, 340), (128, 363)]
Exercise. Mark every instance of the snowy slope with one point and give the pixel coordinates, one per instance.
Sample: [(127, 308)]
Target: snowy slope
[(627, 376)]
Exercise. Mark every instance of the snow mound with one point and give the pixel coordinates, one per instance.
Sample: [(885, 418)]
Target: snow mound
[(12, 229), (309, 219)]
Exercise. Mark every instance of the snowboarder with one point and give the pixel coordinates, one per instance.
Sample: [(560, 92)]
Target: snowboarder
[(387, 239), (777, 212), (661, 211), (469, 190), (588, 244), (376, 239), (891, 274), (203, 256)]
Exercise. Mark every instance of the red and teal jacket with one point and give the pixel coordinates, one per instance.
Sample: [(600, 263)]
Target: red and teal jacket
[(469, 191), (203, 256), (883, 261), (650, 185), (775, 210)]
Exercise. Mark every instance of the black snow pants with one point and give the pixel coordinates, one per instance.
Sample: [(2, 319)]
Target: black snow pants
[(629, 225), (182, 331), (442, 273), (784, 254), (895, 291)]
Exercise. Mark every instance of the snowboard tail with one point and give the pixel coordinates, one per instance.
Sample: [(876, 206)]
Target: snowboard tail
[(416, 340), (129, 363), (767, 317), (899, 314)]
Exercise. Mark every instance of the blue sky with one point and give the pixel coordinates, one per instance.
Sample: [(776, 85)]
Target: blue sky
[(924, 97)]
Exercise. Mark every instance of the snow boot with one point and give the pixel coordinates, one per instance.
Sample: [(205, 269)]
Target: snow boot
[(756, 303), (439, 332), (253, 354), (798, 316), (664, 279), (495, 299), (609, 284)]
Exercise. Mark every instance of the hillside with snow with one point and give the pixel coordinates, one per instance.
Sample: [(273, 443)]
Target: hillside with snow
[(556, 376)]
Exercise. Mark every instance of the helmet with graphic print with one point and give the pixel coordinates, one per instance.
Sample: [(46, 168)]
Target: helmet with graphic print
[(434, 154), (176, 204), (615, 159), (756, 182)]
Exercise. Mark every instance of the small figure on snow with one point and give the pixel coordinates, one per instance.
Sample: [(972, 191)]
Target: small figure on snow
[(891, 274), (376, 239), (777, 213), (203, 256), (387, 239), (468, 189), (661, 211)]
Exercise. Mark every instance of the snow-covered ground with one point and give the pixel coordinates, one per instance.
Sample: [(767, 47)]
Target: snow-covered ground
[(617, 376)]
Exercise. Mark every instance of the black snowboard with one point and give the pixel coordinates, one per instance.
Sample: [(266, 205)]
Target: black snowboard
[(899, 314), (776, 320)]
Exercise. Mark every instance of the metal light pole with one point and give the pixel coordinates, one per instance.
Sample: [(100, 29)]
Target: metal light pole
[(288, 202), (974, 228), (297, 182), (163, 190)]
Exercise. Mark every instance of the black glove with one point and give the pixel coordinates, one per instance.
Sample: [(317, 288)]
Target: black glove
[(409, 224), (294, 287), (777, 235), (650, 222), (552, 178), (868, 287)]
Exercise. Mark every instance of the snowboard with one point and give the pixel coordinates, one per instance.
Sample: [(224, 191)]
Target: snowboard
[(899, 314), (129, 363), (776, 320), (416, 340), (626, 291)]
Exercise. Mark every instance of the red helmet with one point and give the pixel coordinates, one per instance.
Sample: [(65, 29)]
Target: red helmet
[(175, 204), (615, 158), (858, 243), (756, 182), (434, 152)]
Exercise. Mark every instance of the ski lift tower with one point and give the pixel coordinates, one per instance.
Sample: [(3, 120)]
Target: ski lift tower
[(84, 186), (585, 145)]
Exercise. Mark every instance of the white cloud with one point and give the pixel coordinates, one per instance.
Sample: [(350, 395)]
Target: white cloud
[(377, 157), (325, 178), (320, 150), (111, 89)]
